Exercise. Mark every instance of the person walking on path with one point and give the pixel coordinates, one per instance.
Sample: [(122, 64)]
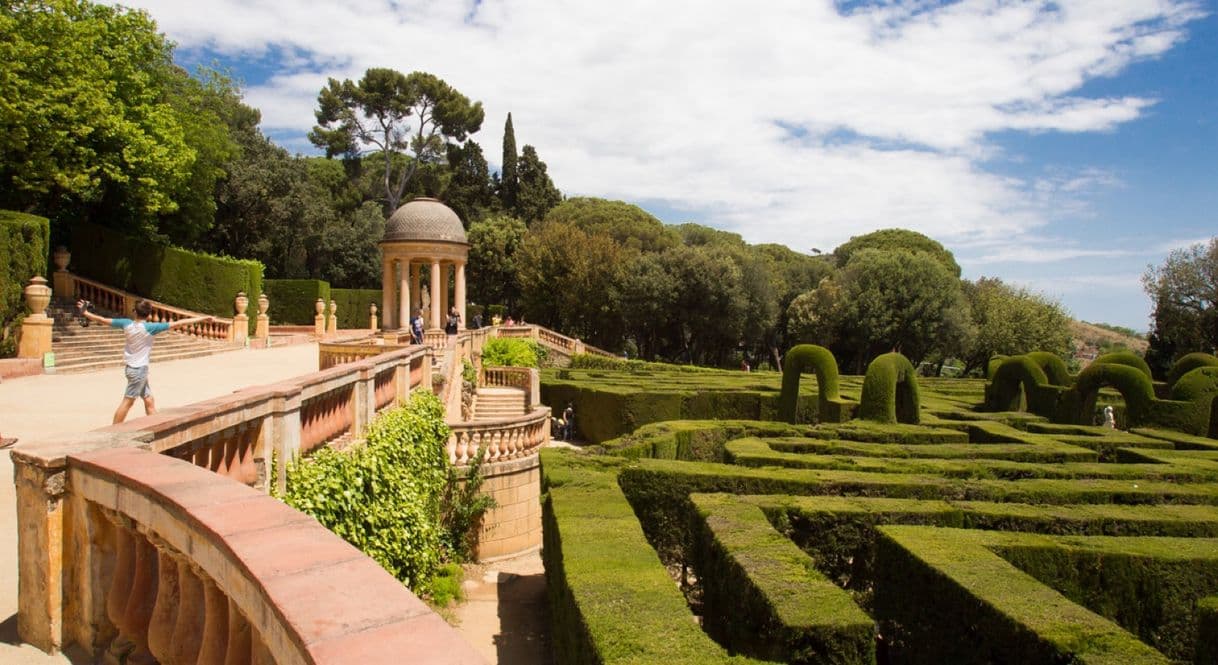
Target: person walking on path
[(137, 351), (416, 327), (568, 418)]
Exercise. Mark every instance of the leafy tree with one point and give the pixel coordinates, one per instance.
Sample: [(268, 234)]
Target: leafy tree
[(897, 239), (493, 245), (509, 181), (1011, 321), (646, 299), (895, 300), (469, 192), (816, 316), (412, 116), (628, 225), (1185, 292), (84, 121), (536, 194), (564, 272)]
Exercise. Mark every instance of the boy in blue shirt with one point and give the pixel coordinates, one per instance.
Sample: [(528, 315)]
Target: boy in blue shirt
[(136, 352)]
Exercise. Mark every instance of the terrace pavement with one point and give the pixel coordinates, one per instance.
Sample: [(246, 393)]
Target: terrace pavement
[(40, 406)]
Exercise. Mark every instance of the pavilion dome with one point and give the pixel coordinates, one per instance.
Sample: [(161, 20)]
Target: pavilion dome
[(424, 219)]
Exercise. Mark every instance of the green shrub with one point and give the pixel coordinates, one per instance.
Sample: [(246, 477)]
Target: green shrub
[(1199, 384), (1053, 367), (1188, 363), (1133, 384), (294, 301), (890, 391), (510, 352), (189, 280), (354, 309), (384, 497), (1207, 630), (1127, 358), (810, 357), (24, 246)]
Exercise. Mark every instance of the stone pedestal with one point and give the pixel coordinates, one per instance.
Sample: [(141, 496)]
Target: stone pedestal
[(241, 320), (319, 321), (36, 328), (61, 280), (372, 323), (332, 326), (262, 328)]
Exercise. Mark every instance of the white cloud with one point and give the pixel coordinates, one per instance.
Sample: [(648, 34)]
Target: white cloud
[(680, 102)]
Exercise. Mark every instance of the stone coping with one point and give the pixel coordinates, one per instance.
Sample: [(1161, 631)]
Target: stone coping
[(538, 413), (313, 597), (214, 415)]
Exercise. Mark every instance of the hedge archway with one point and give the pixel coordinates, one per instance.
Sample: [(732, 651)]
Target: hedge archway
[(1015, 381), (1188, 363), (890, 391), (1124, 358), (1053, 367), (816, 359), (1133, 384)]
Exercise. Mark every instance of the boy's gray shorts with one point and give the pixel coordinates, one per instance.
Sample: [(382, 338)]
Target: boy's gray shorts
[(137, 382)]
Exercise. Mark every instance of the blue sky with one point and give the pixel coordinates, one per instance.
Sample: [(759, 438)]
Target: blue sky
[(1059, 145)]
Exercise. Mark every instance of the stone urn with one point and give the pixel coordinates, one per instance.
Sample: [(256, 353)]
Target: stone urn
[(38, 296), (61, 257), (320, 306), (264, 303), (242, 303), (333, 307), (372, 309)]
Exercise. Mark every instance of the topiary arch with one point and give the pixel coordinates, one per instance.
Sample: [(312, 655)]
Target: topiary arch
[(1053, 366), (1133, 384), (1188, 363), (890, 391), (1015, 378), (818, 359), (1125, 358)]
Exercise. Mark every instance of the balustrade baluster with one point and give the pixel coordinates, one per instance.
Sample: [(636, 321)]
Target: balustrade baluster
[(240, 637), (260, 654), (451, 447), (188, 630), (164, 610), (215, 625), (138, 611), (120, 584)]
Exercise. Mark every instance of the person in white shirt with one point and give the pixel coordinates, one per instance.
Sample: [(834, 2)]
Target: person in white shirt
[(136, 352)]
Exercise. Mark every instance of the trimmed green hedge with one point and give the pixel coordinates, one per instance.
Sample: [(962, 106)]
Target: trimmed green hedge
[(762, 595), (1188, 363), (831, 408), (1053, 366), (293, 301), (890, 391), (1207, 630), (24, 244), (189, 280), (353, 307), (1126, 358)]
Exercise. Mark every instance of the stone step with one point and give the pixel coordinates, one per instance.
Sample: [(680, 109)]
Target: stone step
[(75, 366)]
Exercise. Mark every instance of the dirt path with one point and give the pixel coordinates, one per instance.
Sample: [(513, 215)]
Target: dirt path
[(504, 614)]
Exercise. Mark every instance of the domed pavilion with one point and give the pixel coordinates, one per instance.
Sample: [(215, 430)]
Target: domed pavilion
[(423, 232)]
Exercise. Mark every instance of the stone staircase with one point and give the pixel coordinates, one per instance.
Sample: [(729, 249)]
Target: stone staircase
[(500, 404), (80, 349)]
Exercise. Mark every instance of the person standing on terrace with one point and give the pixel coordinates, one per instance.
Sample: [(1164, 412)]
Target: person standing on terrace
[(137, 351)]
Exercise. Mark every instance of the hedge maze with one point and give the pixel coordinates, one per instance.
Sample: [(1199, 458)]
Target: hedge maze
[(712, 529)]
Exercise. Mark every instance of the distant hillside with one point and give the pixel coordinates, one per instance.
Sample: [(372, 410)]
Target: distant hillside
[(1091, 339)]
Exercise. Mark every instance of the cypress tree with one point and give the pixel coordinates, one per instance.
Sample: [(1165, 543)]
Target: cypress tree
[(508, 183)]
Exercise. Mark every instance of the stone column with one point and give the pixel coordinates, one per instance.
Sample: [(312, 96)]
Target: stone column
[(434, 323), (416, 284), (404, 303), (387, 292), (444, 301), (460, 292), (36, 328)]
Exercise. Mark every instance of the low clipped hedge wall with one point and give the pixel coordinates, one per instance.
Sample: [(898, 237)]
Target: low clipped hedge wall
[(353, 307), (293, 301), (178, 277), (25, 245)]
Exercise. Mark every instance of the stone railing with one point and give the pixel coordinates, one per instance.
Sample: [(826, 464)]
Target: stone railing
[(123, 304), (155, 558), (527, 379), (436, 339), (503, 439), (567, 346), (203, 448)]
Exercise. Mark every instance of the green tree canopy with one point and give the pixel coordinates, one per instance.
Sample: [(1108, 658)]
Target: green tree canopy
[(509, 181), (628, 225), (469, 192), (536, 194), (1012, 321), (493, 244), (897, 240), (1184, 289), (412, 115), (85, 120)]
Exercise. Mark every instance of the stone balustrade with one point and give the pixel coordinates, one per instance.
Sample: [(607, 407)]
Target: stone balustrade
[(527, 379), (123, 303), (567, 346), (436, 339), (503, 439), (162, 561)]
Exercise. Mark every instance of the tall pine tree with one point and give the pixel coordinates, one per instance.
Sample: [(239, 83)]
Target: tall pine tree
[(536, 193), (509, 183)]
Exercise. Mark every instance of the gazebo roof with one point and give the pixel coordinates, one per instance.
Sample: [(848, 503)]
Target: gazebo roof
[(425, 220)]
